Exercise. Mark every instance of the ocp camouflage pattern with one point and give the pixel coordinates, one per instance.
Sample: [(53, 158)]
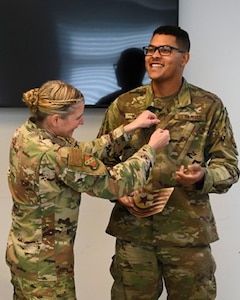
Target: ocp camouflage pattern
[(47, 175), (200, 133)]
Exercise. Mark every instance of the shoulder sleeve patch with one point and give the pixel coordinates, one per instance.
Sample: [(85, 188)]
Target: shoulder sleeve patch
[(75, 157), (91, 162), (69, 156)]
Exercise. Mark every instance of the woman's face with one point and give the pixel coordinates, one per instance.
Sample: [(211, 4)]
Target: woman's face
[(65, 126)]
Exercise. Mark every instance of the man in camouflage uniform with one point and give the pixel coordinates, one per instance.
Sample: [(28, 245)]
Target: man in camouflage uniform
[(48, 171), (157, 245)]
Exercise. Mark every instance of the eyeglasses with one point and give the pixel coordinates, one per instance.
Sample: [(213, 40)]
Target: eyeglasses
[(164, 50)]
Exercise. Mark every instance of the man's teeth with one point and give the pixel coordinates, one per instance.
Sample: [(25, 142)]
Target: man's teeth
[(156, 65)]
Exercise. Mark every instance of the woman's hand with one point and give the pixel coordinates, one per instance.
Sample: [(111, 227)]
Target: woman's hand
[(145, 120), (159, 139), (127, 200)]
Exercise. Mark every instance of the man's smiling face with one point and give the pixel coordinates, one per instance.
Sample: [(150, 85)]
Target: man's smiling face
[(165, 68)]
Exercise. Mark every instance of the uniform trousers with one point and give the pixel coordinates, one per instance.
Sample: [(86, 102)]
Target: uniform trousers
[(140, 272), (25, 289)]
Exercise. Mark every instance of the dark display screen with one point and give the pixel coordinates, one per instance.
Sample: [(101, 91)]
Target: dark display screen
[(79, 42)]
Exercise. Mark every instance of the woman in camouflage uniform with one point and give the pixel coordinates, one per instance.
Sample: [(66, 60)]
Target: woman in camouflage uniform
[(48, 171)]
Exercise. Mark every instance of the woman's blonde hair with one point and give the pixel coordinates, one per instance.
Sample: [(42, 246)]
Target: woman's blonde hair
[(53, 97)]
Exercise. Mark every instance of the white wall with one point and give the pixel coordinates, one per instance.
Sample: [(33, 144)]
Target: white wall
[(213, 27), (214, 31)]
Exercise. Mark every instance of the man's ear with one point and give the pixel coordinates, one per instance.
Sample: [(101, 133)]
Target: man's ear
[(185, 58)]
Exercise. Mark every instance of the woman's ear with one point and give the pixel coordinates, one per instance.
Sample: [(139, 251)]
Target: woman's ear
[(54, 119)]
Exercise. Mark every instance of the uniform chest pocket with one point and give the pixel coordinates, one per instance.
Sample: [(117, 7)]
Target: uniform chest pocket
[(182, 137)]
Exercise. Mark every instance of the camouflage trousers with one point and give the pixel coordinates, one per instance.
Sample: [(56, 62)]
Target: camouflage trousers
[(141, 271), (25, 289)]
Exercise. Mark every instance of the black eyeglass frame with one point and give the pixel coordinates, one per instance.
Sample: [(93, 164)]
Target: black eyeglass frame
[(159, 48)]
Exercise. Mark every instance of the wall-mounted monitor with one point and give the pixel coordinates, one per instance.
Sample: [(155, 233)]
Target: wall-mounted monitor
[(76, 41)]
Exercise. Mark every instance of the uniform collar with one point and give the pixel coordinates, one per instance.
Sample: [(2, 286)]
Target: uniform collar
[(182, 99), (44, 134)]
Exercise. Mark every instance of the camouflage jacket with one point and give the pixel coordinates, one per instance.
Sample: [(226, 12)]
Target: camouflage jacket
[(46, 177), (200, 133)]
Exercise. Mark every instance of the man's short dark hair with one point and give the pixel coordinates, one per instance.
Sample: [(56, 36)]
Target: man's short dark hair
[(181, 35)]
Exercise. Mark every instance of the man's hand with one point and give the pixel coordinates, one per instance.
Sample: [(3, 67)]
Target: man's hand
[(190, 175)]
